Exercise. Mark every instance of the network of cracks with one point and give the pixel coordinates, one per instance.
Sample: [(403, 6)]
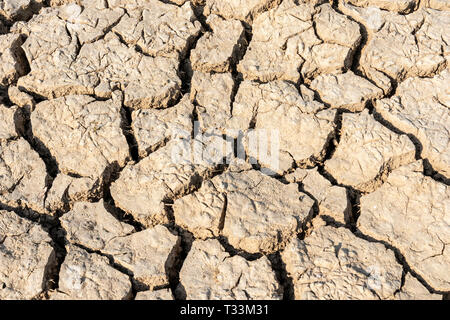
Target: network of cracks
[(96, 97)]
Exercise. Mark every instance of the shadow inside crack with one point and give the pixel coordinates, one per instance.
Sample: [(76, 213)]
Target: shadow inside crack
[(176, 259)]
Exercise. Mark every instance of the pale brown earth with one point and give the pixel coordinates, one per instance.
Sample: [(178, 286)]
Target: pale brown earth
[(98, 97)]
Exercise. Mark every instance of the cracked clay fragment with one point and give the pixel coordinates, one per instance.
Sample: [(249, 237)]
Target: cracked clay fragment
[(210, 273)]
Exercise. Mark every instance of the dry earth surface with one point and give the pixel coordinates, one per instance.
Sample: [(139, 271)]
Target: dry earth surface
[(96, 95)]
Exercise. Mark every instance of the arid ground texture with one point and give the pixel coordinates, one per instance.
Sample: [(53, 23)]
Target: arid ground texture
[(98, 202)]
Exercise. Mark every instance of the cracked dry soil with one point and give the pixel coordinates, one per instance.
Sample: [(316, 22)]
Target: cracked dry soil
[(95, 96)]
